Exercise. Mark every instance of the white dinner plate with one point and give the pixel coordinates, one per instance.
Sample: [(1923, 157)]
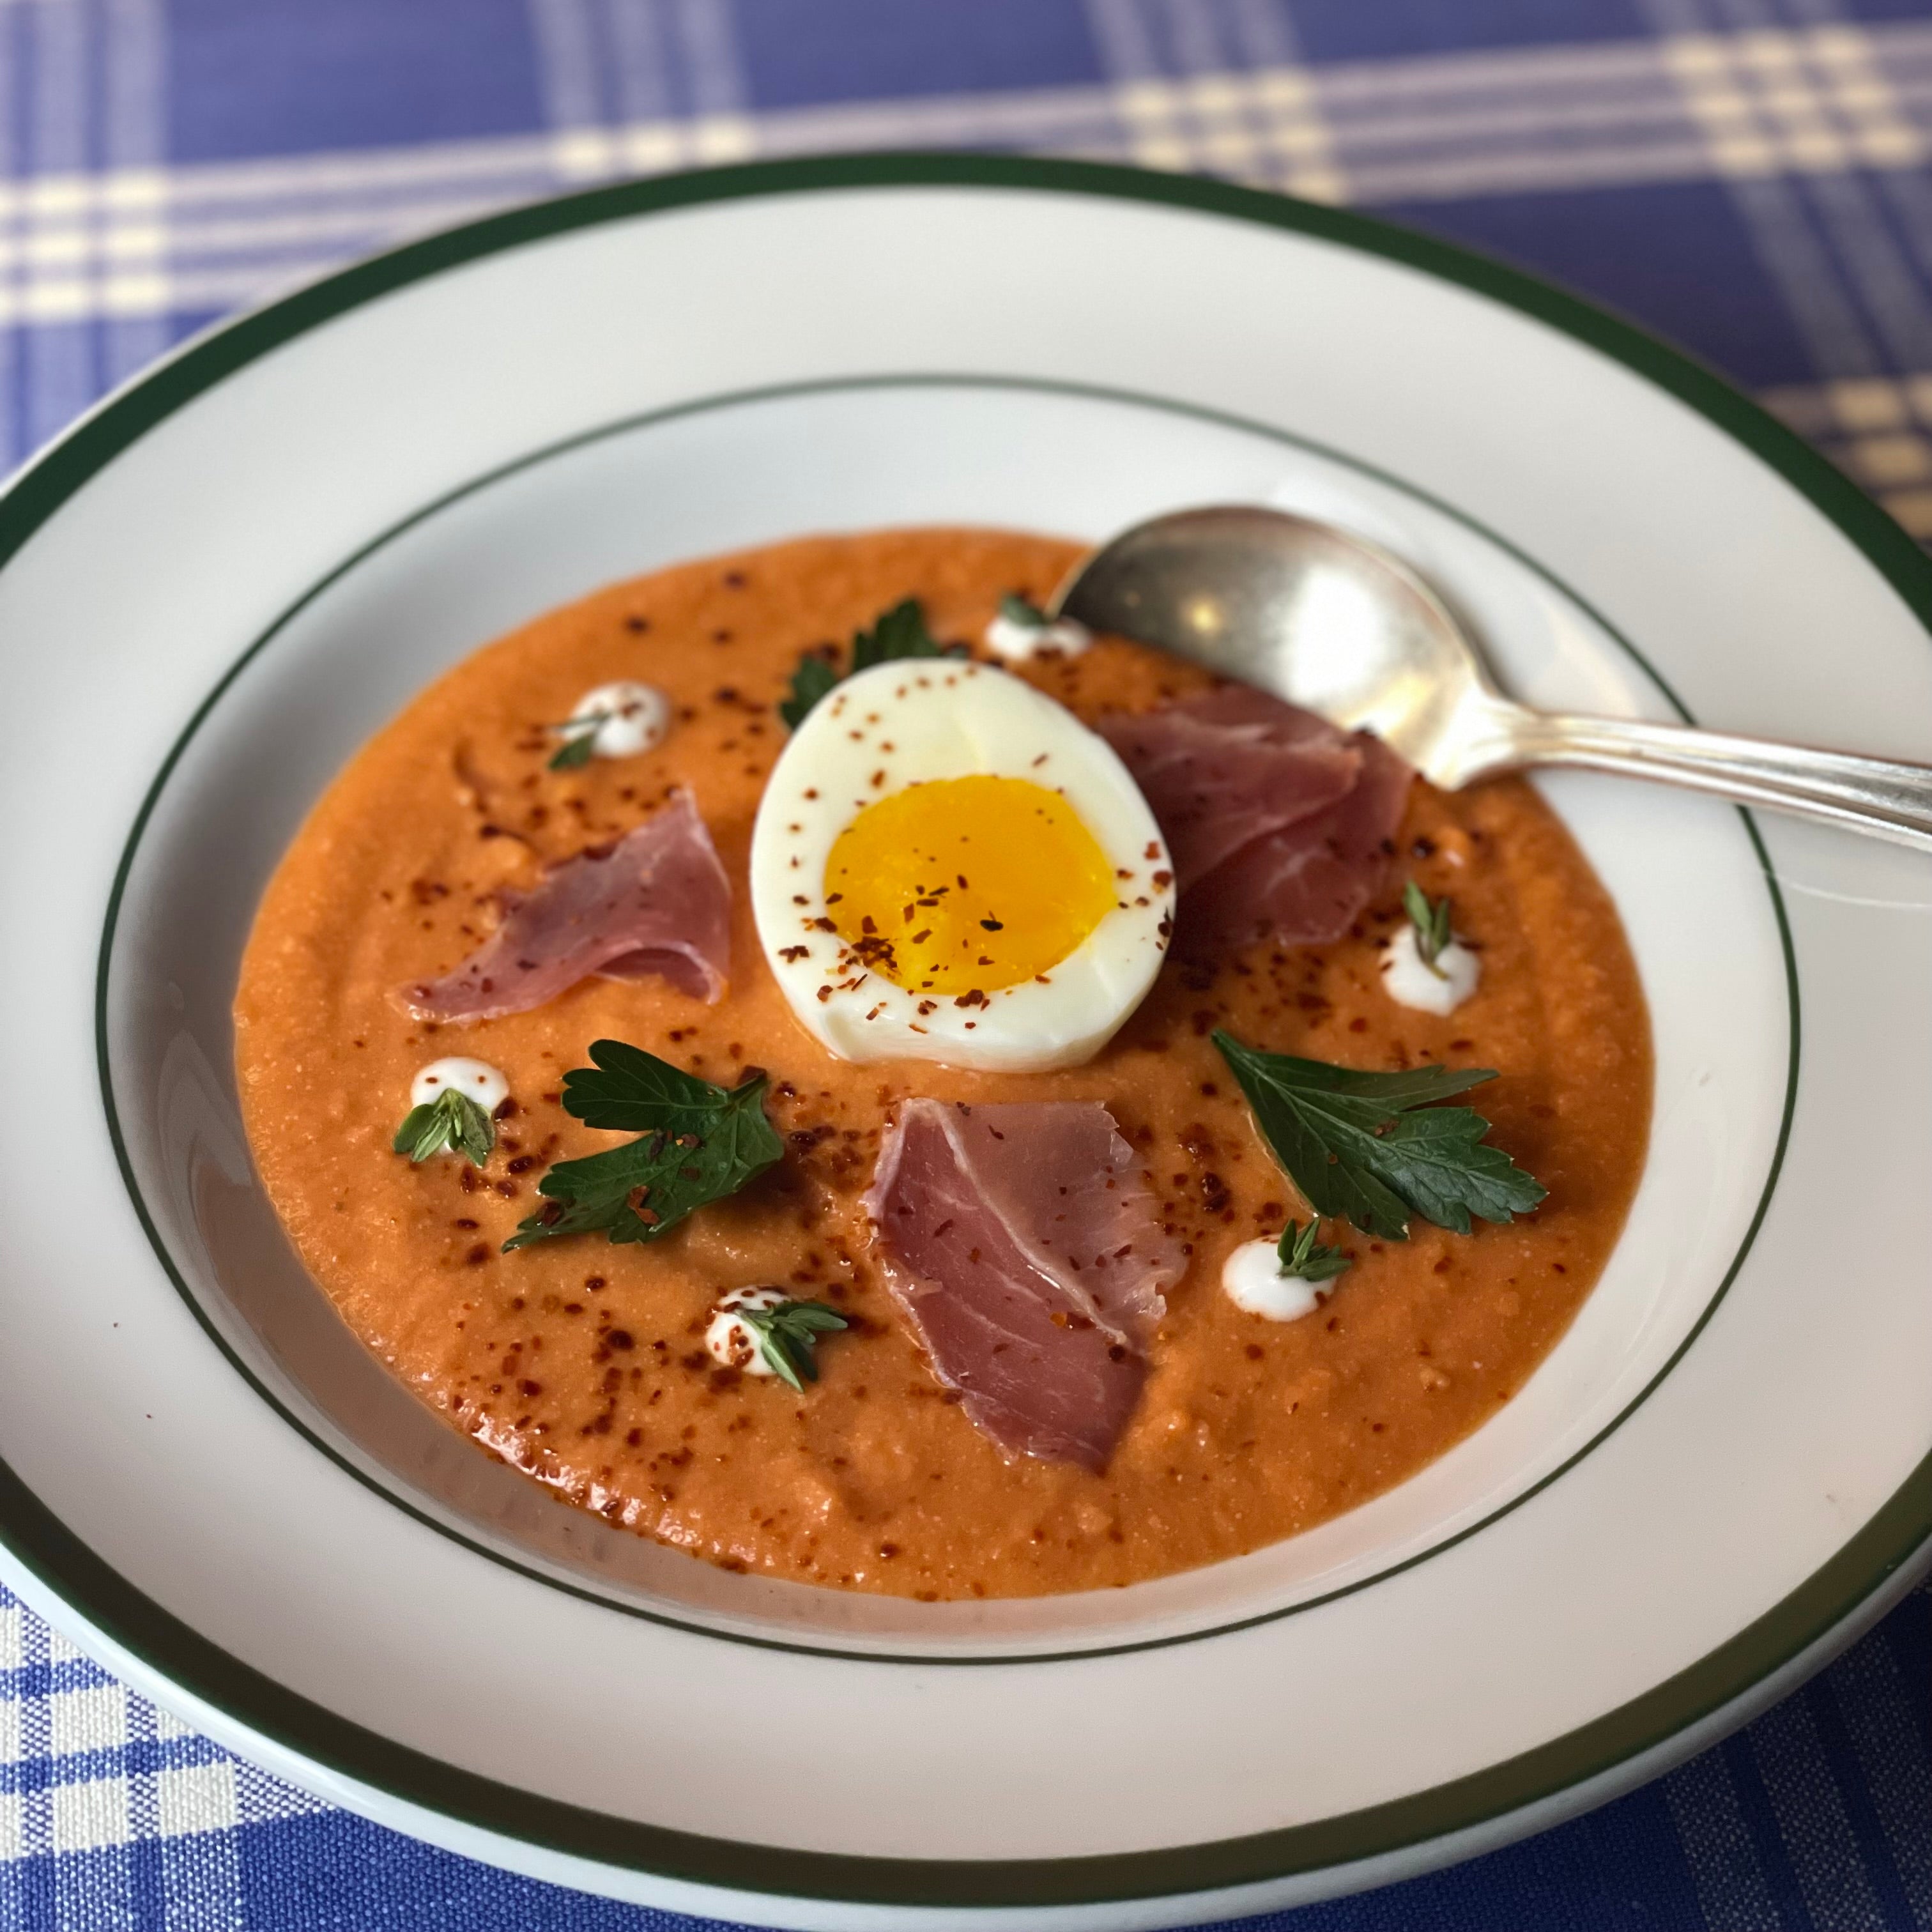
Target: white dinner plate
[(221, 581)]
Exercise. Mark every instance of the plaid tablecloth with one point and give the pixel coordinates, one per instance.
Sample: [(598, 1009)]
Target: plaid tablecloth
[(1749, 177)]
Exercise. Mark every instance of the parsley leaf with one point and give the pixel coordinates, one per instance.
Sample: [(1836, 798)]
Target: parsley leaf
[(1430, 918), (786, 1334), (697, 1143), (900, 632), (1017, 609), (810, 683), (1304, 1259), (1358, 1149), (452, 1121)]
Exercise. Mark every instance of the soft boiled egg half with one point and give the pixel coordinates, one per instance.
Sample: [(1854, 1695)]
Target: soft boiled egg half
[(948, 865)]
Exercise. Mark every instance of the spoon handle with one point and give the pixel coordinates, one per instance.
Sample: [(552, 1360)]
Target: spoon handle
[(1871, 795)]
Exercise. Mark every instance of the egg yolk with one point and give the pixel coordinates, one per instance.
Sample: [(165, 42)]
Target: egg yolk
[(965, 884)]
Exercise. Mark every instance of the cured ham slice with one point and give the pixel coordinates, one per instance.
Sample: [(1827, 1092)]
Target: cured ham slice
[(1309, 882), (1226, 767), (1028, 1254), (1278, 824), (656, 902)]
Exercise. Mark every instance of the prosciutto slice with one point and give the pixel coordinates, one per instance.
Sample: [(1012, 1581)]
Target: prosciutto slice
[(1225, 767), (1308, 882), (656, 902), (1028, 1254), (1278, 824)]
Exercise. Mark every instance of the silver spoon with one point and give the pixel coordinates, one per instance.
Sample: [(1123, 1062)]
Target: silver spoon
[(1330, 622)]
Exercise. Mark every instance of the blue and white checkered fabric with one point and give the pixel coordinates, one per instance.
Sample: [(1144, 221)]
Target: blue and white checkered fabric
[(1749, 177), (1817, 1818)]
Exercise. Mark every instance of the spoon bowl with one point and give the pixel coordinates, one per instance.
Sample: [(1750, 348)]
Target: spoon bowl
[(1326, 621)]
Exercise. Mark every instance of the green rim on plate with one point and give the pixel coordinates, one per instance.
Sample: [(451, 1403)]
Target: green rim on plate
[(256, 1706)]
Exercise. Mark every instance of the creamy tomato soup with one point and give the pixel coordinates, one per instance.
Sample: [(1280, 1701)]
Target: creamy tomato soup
[(585, 1362)]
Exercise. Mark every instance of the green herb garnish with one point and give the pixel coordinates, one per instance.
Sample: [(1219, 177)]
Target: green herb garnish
[(697, 1143), (1017, 609), (900, 632), (577, 751), (452, 1121), (1430, 918), (1370, 1148), (786, 1334), (1304, 1259), (810, 683)]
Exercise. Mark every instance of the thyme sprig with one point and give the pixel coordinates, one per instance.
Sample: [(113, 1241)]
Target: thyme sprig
[(1430, 919), (786, 1333), (579, 750), (1304, 1259)]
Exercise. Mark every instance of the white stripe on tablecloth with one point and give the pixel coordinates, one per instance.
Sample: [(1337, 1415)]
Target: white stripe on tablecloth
[(641, 64), (1810, 1813), (1717, 1844), (61, 380), (90, 1815), (1794, 119), (134, 138), (1891, 1754), (94, 1718), (567, 70), (137, 242)]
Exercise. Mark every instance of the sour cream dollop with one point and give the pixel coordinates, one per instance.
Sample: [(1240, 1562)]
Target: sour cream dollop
[(730, 1341), (1409, 982), (1253, 1279), (1009, 638), (484, 1083), (634, 717)]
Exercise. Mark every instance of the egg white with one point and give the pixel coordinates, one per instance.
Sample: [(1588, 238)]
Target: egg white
[(949, 718)]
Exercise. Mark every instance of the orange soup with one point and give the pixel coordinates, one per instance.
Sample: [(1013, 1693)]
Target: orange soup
[(583, 1362)]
